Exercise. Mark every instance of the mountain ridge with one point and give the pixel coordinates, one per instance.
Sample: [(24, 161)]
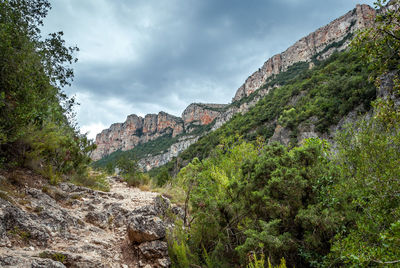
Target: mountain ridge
[(318, 45)]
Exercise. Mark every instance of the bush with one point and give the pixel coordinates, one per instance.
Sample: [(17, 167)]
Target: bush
[(35, 113), (93, 180)]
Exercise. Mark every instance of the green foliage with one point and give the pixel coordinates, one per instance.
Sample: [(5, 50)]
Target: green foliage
[(35, 113), (260, 263), (130, 171), (56, 256), (321, 96), (21, 234), (379, 45), (93, 180), (248, 198), (178, 250), (256, 263), (162, 176), (369, 192), (127, 165)]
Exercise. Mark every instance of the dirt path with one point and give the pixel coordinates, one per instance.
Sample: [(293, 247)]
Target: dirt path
[(85, 228)]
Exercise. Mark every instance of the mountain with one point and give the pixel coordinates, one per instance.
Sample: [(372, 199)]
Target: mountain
[(138, 130), (170, 135)]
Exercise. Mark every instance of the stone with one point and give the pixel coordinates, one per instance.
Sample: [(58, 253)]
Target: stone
[(178, 211), (145, 228), (164, 263), (161, 205), (98, 219), (15, 220), (154, 249), (200, 114), (22, 261), (281, 135)]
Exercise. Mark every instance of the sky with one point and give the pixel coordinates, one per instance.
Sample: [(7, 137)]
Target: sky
[(146, 56)]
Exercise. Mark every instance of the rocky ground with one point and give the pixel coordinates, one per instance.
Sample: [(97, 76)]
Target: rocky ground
[(72, 226)]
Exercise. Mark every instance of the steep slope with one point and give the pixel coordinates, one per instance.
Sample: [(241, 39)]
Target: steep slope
[(318, 45), (313, 103), (199, 119)]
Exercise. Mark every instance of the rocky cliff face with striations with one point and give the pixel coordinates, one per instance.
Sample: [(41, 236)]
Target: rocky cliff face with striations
[(136, 130), (152, 161), (198, 114), (316, 44)]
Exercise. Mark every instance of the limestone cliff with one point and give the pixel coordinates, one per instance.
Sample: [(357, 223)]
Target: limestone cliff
[(318, 44), (136, 129), (201, 114)]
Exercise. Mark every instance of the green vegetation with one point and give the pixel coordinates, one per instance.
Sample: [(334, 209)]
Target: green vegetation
[(247, 202), (37, 128), (21, 234), (324, 94), (130, 171), (305, 204), (280, 79), (56, 256)]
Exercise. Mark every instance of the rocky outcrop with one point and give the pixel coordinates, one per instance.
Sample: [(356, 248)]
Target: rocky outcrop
[(200, 114), (319, 44), (152, 161), (143, 228), (73, 226), (136, 130)]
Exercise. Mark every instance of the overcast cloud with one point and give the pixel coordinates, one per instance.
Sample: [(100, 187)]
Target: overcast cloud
[(146, 56)]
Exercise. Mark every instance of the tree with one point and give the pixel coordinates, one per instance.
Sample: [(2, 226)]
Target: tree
[(35, 113)]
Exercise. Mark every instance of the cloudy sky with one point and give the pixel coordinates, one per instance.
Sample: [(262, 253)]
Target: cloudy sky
[(146, 56)]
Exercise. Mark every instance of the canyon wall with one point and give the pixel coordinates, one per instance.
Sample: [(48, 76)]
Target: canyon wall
[(136, 129)]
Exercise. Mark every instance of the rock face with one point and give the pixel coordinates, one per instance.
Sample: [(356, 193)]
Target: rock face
[(200, 114), (136, 130), (151, 161), (315, 44)]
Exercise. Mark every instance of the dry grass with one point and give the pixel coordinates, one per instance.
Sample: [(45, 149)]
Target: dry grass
[(175, 193)]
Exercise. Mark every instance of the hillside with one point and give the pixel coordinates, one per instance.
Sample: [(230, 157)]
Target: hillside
[(305, 53), (308, 103)]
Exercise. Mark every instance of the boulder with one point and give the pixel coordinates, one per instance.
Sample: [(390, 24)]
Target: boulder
[(161, 205), (143, 228), (154, 249), (14, 261), (98, 219)]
